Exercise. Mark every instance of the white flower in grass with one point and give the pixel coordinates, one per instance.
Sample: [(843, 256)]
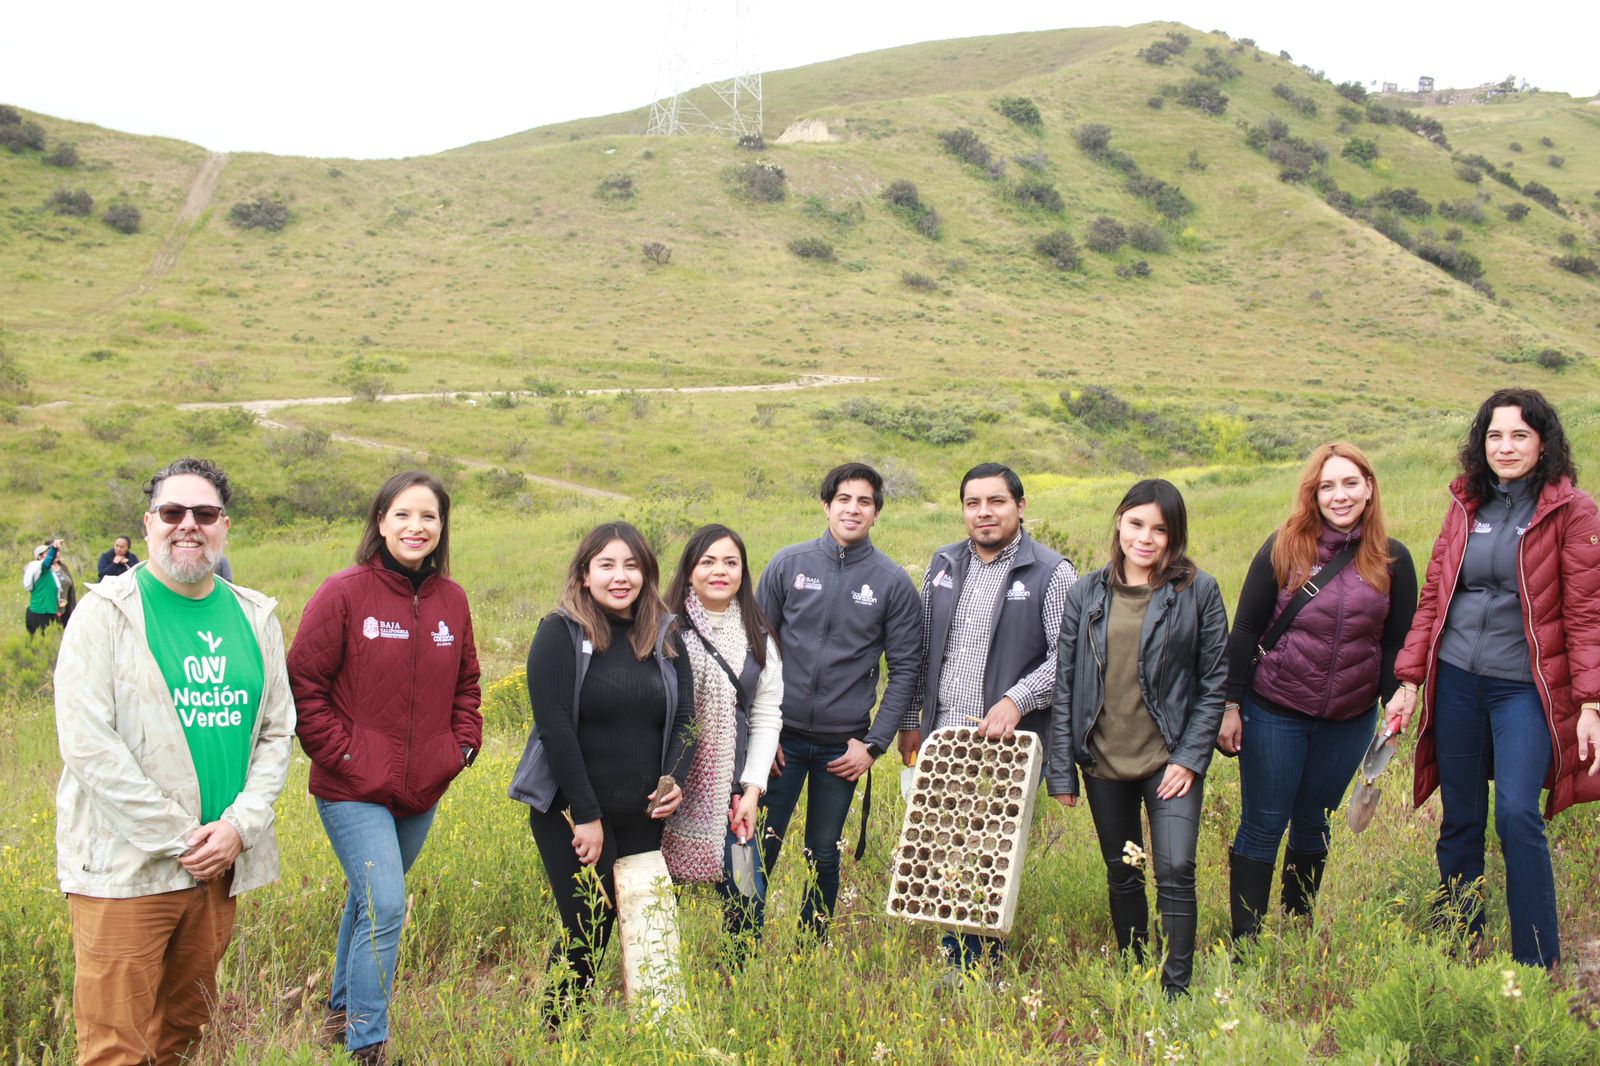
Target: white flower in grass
[(1033, 1001), (1229, 1026), (880, 1051), (1508, 985), (1132, 853), (1222, 995)]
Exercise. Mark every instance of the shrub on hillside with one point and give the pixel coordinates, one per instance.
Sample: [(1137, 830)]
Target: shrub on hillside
[(913, 421), (1515, 146), (123, 217), (1060, 248), (1138, 269), (1406, 201), (967, 146), (1021, 110), (1379, 114), (1545, 142), (1301, 103), (10, 116), (13, 379), (1095, 140), (759, 182), (264, 212), (1462, 210), (1469, 173), (65, 155), (1155, 103), (812, 248), (1035, 161), (1352, 91), (1516, 212), (1156, 53), (1098, 408), (1389, 224), (1581, 265), (1542, 194), (1458, 262), (73, 202), (1504, 178), (1105, 235), (21, 136), (904, 200), (1351, 115), (1216, 67), (615, 187), (656, 252), (1294, 158), (1166, 198), (1203, 95), (1360, 150), (1557, 161), (1147, 238), (1036, 192), (921, 282)]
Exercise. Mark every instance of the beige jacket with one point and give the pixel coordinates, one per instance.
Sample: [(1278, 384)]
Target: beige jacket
[(129, 798)]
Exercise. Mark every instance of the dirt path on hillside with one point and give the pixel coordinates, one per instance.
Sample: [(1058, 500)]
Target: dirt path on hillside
[(262, 408), (265, 407), (195, 202)]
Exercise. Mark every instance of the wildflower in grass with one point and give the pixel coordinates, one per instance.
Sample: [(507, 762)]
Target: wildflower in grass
[(1229, 1026), (1222, 995), (880, 1052), (1508, 985), (1132, 853), (1033, 1001)]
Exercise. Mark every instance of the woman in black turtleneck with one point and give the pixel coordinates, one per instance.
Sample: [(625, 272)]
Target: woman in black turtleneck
[(385, 680), (601, 741)]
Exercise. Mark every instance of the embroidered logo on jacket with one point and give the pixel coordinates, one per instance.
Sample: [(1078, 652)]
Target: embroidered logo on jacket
[(865, 596), (803, 583), (1480, 526), (373, 628), (442, 636), (1017, 591), (943, 580)]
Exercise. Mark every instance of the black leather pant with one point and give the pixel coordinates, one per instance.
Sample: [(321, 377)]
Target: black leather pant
[(1175, 833)]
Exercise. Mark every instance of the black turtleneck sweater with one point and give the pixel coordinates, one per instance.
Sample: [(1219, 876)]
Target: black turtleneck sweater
[(611, 761), (416, 577)]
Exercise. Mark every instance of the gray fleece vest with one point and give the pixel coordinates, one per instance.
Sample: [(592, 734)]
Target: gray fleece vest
[(1017, 640)]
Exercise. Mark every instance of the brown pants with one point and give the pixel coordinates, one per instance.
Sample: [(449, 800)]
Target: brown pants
[(147, 972)]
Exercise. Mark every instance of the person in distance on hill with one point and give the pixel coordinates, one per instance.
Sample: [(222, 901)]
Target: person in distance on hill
[(44, 592), (1140, 673), (175, 722), (119, 559), (991, 615), (1300, 712), (738, 698), (385, 676), (1507, 641), (612, 692), (838, 605)]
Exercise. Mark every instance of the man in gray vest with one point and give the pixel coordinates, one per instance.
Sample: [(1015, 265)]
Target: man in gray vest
[(991, 611)]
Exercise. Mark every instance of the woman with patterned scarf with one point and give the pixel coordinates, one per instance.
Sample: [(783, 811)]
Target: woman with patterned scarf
[(738, 693)]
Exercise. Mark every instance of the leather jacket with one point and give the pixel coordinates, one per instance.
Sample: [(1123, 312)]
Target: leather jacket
[(1183, 671)]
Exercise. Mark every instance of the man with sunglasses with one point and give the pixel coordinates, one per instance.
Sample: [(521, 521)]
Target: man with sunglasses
[(175, 722)]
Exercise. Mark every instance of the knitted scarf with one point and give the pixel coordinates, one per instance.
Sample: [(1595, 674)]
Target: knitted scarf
[(692, 839)]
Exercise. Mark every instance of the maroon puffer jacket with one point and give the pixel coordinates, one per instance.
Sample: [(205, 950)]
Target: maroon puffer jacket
[(385, 687), (1558, 570)]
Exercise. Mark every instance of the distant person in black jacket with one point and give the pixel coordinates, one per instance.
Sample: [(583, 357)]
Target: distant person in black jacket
[(118, 559)]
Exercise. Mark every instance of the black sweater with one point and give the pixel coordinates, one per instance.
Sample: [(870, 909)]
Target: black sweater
[(611, 761)]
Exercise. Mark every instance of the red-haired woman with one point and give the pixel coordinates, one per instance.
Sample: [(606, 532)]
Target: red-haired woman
[(613, 711), (1507, 640), (1301, 711)]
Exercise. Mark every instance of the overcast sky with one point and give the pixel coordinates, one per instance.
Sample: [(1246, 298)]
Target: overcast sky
[(352, 78)]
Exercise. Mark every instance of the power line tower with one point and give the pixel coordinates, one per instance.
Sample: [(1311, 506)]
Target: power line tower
[(706, 82)]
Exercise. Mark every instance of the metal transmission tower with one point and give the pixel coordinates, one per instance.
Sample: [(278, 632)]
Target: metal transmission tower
[(706, 62)]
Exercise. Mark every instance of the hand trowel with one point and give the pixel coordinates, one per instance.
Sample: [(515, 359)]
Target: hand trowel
[(1364, 802)]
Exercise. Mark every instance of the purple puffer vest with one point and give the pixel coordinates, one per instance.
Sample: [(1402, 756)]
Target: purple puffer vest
[(1327, 663)]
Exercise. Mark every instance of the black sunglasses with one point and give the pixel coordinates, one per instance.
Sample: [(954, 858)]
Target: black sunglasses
[(205, 514)]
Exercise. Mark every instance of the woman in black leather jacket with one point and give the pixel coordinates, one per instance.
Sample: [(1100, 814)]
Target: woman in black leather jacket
[(1140, 673)]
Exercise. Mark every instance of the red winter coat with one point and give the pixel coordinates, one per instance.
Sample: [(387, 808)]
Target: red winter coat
[(1558, 570), (385, 687)]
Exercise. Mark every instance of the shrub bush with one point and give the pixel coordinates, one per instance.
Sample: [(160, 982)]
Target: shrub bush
[(1504, 178), (656, 252), (904, 200), (10, 116), (1158, 52), (1036, 192), (1060, 248), (921, 282), (1105, 235), (1035, 161), (21, 136), (1303, 104), (1093, 138), (1166, 198), (966, 146), (123, 217), (1406, 201), (1557, 161), (615, 187), (264, 212), (1360, 150), (760, 182), (941, 425), (1516, 212), (1098, 407), (812, 248), (1203, 95), (1155, 103), (1021, 110), (1515, 146), (1553, 359), (1389, 224), (1216, 67), (1294, 162), (1139, 269), (1462, 210), (1458, 262), (1379, 114), (1352, 91), (66, 155), (1469, 174), (1453, 234), (1147, 238), (1351, 115), (1568, 239), (1541, 194), (1577, 264), (74, 202), (1545, 142)]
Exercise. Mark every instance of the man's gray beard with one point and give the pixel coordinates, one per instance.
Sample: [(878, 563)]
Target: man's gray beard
[(186, 573)]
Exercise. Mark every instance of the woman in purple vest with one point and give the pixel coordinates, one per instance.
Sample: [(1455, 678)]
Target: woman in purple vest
[(738, 701), (1300, 714)]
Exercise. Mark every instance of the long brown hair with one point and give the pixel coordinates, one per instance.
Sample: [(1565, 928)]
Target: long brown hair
[(648, 610), (756, 629), (1174, 565), (371, 538), (1295, 551)]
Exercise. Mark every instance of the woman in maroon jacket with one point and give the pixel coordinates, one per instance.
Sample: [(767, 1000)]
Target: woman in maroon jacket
[(1507, 641), (385, 679)]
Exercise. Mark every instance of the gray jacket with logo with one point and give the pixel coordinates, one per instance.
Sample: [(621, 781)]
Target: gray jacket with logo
[(837, 611)]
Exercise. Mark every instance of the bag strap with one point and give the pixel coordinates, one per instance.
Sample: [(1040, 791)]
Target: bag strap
[(1307, 592), (738, 687)]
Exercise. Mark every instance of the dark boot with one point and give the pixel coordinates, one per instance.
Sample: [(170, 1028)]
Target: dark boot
[(1130, 917), (374, 1055), (1249, 893), (1302, 876), (1178, 932)]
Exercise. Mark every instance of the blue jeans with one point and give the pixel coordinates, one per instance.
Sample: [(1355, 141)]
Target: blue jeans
[(376, 849), (1292, 772), (827, 805), (1485, 726)]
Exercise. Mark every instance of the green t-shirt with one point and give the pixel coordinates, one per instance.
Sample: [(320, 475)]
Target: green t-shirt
[(46, 598), (212, 664)]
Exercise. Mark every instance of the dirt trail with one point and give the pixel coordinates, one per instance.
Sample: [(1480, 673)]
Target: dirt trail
[(264, 407), (195, 202)]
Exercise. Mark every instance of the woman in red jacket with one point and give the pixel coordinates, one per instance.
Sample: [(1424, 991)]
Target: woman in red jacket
[(385, 680), (1507, 640)]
